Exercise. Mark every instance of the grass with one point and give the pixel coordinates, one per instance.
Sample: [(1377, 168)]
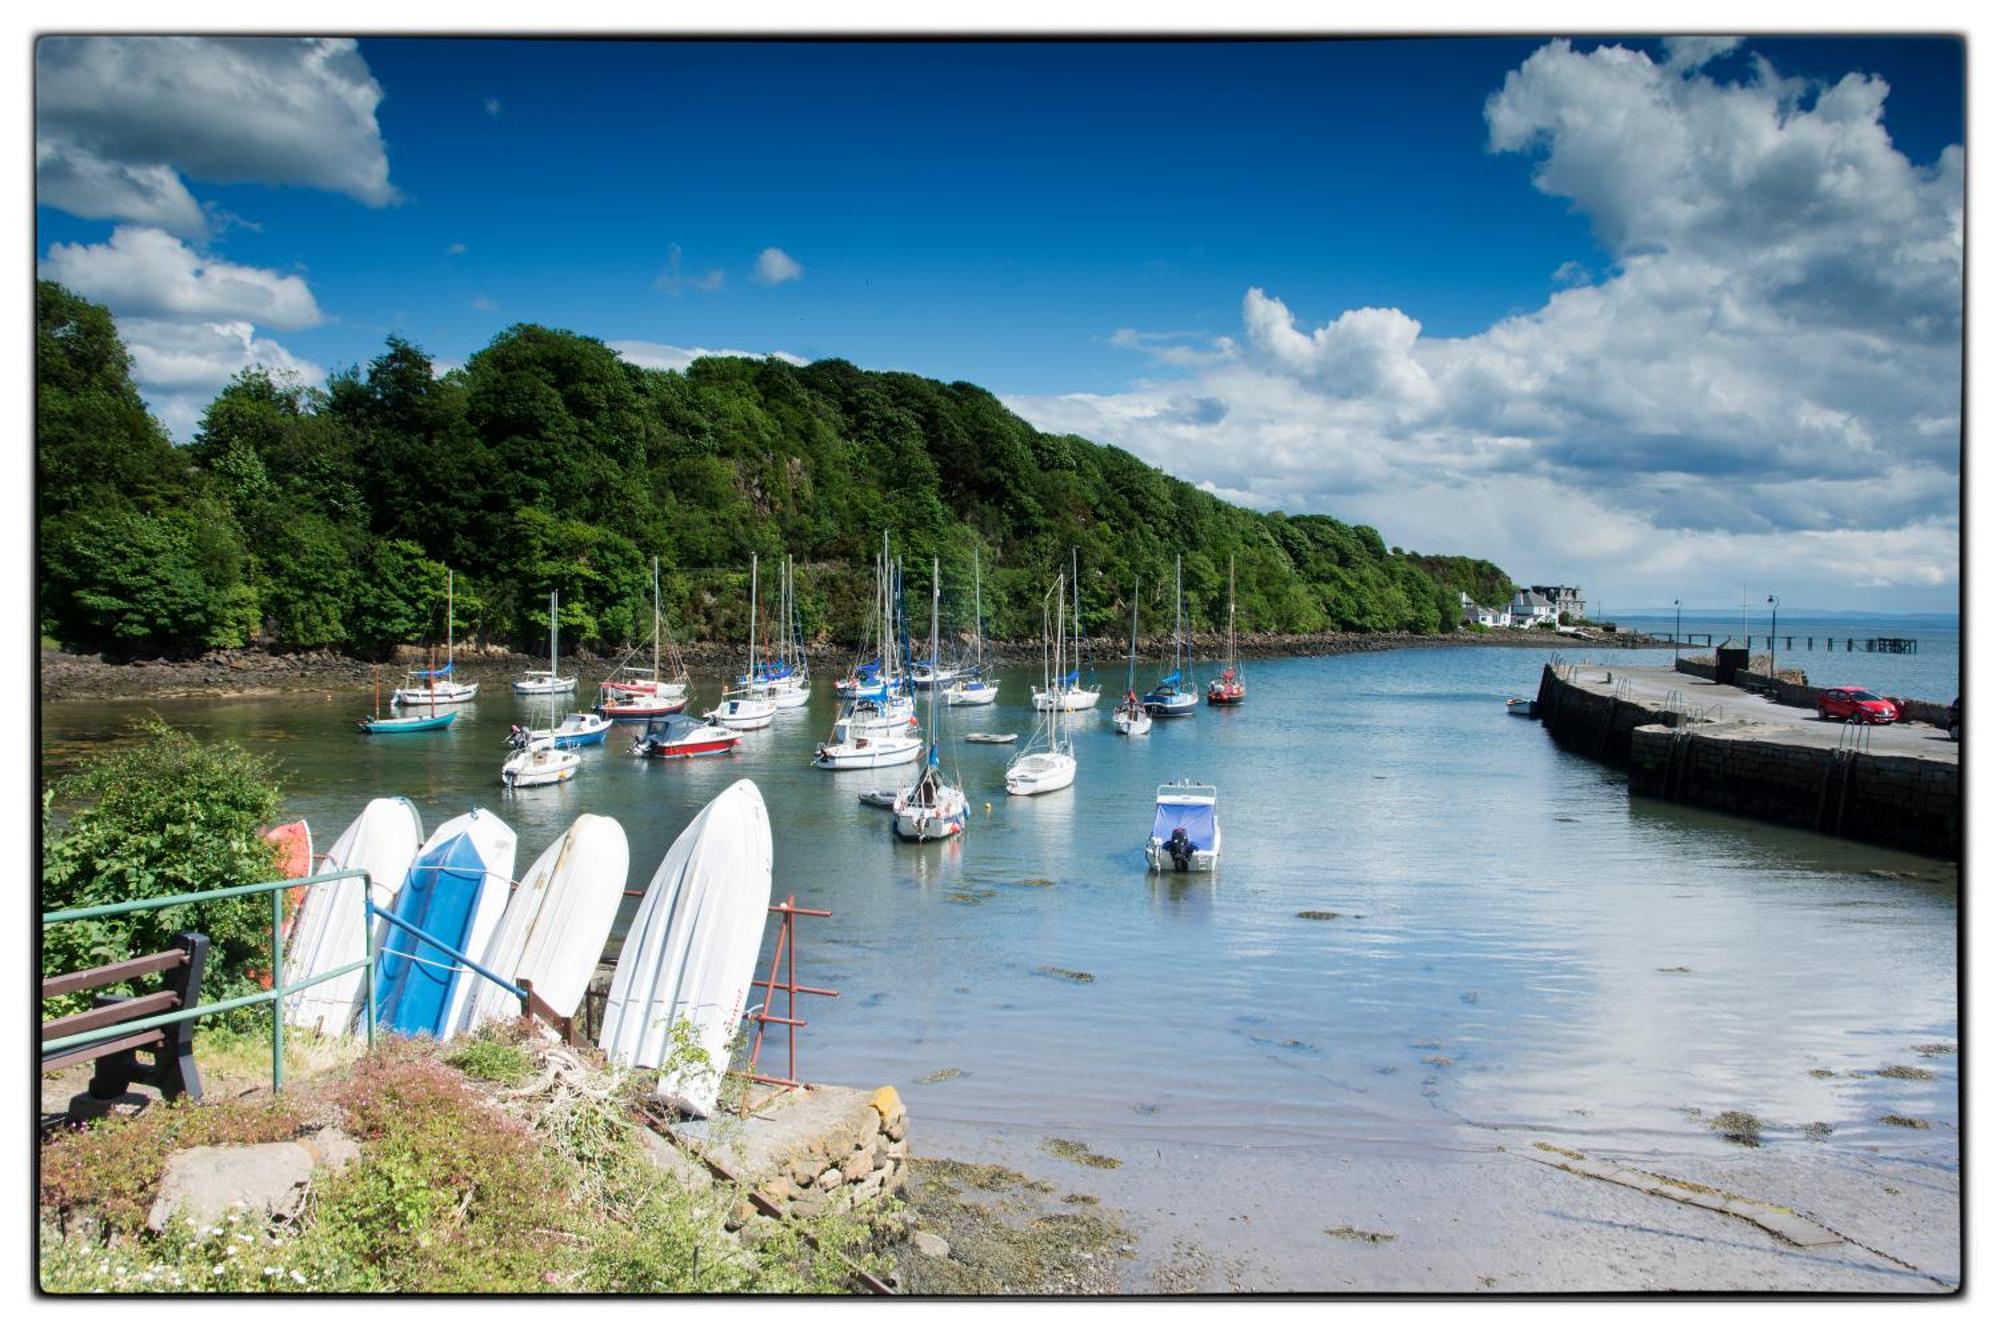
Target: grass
[(491, 1164)]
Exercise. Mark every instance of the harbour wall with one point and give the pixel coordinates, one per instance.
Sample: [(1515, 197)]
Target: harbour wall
[(1895, 800)]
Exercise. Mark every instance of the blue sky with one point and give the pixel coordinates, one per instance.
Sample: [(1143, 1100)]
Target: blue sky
[(1334, 263)]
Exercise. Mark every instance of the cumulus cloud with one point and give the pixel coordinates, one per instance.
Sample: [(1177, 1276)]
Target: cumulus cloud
[(119, 121), (1765, 377), (182, 364), (775, 266), (666, 356), (146, 272)]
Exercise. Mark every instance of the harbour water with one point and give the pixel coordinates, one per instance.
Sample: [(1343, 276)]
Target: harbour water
[(1517, 951)]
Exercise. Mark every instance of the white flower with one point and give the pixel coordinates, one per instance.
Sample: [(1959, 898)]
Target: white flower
[(298, 1277), (230, 1251), (216, 1269)]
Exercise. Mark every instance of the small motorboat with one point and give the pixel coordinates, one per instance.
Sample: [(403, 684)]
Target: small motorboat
[(1187, 836), (539, 764), (685, 738), (992, 737), (575, 731), (1521, 707)]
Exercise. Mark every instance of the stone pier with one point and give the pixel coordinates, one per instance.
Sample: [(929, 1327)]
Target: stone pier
[(813, 1150), (1684, 738)]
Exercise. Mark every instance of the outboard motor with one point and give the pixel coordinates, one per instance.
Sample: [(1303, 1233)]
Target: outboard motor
[(1181, 848), (517, 737)]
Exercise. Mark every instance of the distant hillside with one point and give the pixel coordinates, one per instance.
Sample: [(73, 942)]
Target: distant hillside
[(310, 518)]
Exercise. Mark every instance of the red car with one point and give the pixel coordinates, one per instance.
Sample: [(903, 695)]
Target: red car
[(1851, 701)]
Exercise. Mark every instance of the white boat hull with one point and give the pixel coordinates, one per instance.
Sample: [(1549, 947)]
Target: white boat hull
[(930, 822), (968, 696), (1201, 862), (561, 685), (1041, 771), (1132, 724), (331, 929), (543, 764), (556, 923), (744, 714), (871, 751), (495, 844), (1072, 700), (444, 694), (691, 952)]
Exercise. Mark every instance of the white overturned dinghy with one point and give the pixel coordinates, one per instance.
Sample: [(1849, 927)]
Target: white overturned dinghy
[(456, 892), (692, 948), (556, 923), (331, 929)]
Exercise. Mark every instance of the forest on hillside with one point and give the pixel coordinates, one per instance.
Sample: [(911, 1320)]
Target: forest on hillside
[(302, 517)]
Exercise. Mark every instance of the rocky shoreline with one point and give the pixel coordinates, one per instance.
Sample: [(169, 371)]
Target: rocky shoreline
[(245, 672)]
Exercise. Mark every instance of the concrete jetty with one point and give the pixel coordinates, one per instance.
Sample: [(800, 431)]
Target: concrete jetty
[(1684, 738)]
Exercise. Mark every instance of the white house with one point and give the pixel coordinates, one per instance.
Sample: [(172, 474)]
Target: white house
[(1530, 608), (1472, 613)]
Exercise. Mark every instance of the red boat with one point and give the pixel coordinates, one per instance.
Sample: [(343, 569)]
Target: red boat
[(685, 738)]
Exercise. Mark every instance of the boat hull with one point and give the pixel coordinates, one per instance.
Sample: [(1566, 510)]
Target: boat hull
[(1199, 863), (869, 752), (456, 891), (641, 710), (744, 714), (929, 823), (1037, 773), (691, 951), (1132, 723), (970, 696), (397, 726), (1071, 700), (1170, 705), (331, 930), (566, 685), (701, 749)]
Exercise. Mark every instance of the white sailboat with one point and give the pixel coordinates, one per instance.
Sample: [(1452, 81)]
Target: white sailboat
[(932, 807), (550, 681), (1130, 718), (747, 708), (435, 686), (972, 688), (536, 760), (876, 729), (1069, 693), (634, 694), (1048, 762), (785, 679), (1172, 697)]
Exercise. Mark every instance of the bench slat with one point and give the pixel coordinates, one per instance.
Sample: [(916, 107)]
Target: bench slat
[(110, 974), (108, 1015), (76, 1055)]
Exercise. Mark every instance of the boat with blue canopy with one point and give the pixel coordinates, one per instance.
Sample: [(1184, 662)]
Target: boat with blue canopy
[(1187, 834)]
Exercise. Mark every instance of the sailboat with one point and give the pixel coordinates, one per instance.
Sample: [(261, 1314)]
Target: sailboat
[(877, 728), (378, 724), (1048, 762), (1130, 717), (550, 681), (1227, 689), (928, 673), (432, 686), (747, 708), (785, 680), (1171, 697), (876, 676), (634, 694), (972, 688), (536, 760), (1069, 693), (932, 807)]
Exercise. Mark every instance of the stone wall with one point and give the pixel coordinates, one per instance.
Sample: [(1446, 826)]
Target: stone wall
[(1896, 800), (1696, 666), (815, 1149)]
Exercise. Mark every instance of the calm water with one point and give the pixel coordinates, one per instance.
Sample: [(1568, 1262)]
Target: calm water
[(1510, 952)]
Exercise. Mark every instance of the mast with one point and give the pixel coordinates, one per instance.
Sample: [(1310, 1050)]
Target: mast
[(753, 617), (1177, 615), (1132, 658), (1232, 611), (978, 630), (552, 636), (447, 625), (656, 618)]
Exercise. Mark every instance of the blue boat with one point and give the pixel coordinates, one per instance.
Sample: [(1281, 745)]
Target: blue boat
[(456, 891)]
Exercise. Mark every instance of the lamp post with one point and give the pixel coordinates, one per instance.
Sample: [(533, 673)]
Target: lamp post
[(1677, 626), (1772, 598)]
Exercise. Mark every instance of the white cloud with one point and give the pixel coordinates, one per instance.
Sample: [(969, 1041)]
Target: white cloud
[(485, 303), (120, 120), (1765, 378), (492, 106), (143, 271), (455, 248), (775, 266), (672, 281), (181, 365), (665, 356)]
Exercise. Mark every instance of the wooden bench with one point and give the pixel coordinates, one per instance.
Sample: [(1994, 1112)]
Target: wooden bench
[(170, 1045)]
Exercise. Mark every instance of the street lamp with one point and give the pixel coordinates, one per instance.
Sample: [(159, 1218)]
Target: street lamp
[(1677, 626), (1772, 598)]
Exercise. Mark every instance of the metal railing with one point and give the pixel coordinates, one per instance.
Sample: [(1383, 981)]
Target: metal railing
[(274, 995)]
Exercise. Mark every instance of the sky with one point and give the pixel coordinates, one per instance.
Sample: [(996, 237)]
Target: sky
[(1661, 318)]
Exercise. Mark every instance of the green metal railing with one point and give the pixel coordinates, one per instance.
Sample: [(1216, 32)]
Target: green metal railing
[(279, 988)]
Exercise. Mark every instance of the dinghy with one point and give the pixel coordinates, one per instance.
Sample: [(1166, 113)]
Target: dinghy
[(882, 798), (692, 949), (456, 891), (1187, 835), (992, 737), (556, 923), (331, 928)]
